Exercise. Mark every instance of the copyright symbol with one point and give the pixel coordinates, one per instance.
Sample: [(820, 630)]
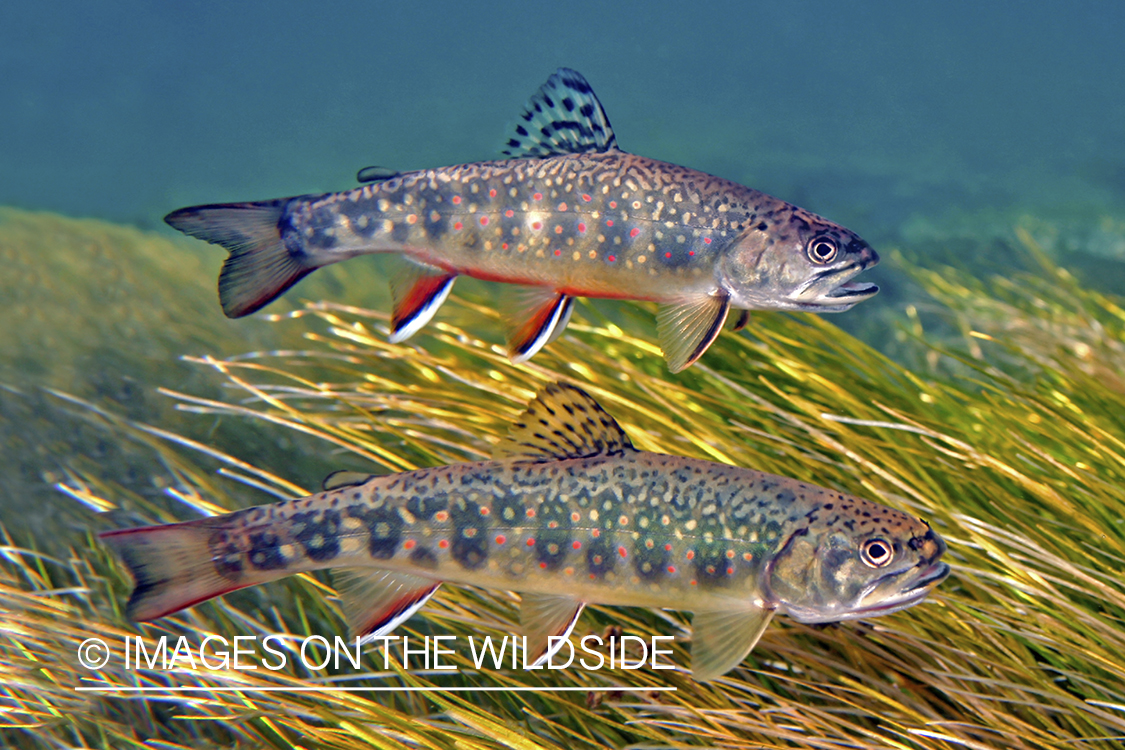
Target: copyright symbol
[(93, 653)]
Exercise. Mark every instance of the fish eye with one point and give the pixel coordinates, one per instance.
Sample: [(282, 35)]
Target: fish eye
[(823, 250), (876, 552)]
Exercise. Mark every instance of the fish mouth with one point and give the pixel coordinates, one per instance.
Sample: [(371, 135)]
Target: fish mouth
[(831, 290), (926, 581)]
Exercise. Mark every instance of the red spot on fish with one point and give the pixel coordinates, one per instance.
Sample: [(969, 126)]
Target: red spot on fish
[(706, 240), (530, 542), (730, 571), (537, 225), (504, 246), (634, 232), (509, 213), (530, 513), (613, 204), (500, 539), (484, 511), (444, 543), (456, 200), (693, 583), (596, 533), (552, 524), (609, 222), (484, 221), (543, 565), (747, 556), (562, 206), (492, 193), (730, 554), (611, 258), (457, 225), (581, 227), (577, 545), (575, 517), (441, 515), (621, 551), (593, 577), (586, 198), (558, 229), (671, 568), (558, 252), (691, 554), (412, 219), (691, 252), (537, 197), (667, 255), (667, 547), (408, 544)]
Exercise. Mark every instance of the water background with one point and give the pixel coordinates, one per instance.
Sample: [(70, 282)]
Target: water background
[(883, 115)]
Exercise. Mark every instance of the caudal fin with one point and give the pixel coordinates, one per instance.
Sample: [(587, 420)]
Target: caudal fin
[(260, 267), (172, 567)]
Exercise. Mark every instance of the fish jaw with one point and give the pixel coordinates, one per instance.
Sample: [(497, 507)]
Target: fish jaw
[(804, 262)]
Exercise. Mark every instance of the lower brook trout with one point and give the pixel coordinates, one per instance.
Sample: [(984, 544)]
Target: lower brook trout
[(567, 512), (567, 215)]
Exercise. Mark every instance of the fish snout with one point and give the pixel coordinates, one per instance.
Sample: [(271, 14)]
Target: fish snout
[(864, 254)]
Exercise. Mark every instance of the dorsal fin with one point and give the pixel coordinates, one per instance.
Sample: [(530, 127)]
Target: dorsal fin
[(562, 117), (563, 422)]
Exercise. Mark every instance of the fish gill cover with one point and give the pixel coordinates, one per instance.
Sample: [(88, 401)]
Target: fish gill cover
[(1006, 435)]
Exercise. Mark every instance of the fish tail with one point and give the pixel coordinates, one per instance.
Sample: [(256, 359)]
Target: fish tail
[(261, 266), (172, 567)]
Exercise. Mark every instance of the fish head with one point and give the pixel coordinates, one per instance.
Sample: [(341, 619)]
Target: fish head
[(796, 260), (832, 570)]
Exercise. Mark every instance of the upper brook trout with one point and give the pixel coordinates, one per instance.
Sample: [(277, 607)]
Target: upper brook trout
[(569, 215), (567, 512)]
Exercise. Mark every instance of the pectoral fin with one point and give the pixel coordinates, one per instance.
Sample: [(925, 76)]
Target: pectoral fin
[(543, 616), (688, 328), (721, 640), (537, 318), (418, 291), (376, 602)]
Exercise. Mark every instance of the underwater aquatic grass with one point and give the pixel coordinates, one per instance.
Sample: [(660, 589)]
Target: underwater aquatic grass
[(1016, 458)]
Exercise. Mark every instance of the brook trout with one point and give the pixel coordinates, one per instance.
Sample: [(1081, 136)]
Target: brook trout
[(567, 512), (568, 215)]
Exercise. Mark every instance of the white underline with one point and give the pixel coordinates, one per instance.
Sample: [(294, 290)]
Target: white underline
[(405, 689)]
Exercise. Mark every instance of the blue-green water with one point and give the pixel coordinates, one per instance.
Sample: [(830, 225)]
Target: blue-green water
[(876, 113)]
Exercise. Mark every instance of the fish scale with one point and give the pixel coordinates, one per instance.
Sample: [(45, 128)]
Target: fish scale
[(568, 512), (569, 215)]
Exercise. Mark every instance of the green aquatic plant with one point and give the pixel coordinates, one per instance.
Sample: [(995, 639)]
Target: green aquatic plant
[(1011, 442)]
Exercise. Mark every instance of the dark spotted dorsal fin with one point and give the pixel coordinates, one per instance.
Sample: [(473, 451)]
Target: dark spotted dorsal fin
[(563, 422), (375, 174), (563, 117), (344, 478)]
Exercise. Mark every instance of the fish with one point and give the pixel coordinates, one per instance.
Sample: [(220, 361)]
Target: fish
[(567, 512), (567, 214)]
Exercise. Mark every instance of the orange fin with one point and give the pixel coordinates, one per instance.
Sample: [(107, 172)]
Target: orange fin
[(541, 319), (378, 601), (260, 267), (688, 328), (418, 291), (546, 620), (173, 569)]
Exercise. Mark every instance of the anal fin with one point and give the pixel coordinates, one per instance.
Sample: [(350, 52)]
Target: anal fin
[(721, 640), (378, 601), (544, 617), (539, 319), (418, 291), (688, 328)]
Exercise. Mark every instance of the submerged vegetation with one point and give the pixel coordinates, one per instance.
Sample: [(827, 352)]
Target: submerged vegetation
[(1007, 433)]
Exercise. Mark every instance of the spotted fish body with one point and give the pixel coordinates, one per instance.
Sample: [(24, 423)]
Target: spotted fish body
[(567, 513), (570, 215)]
